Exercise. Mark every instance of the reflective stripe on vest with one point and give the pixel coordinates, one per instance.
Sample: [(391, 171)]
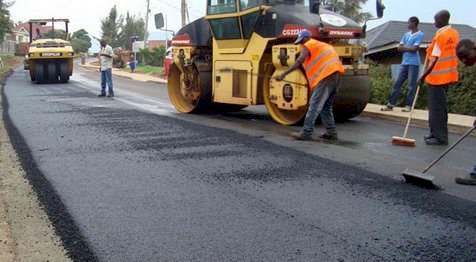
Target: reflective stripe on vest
[(317, 60), (445, 71), (322, 68), (322, 62), (444, 58), (446, 67)]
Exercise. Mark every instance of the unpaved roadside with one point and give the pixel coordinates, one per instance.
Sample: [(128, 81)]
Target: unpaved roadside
[(26, 233)]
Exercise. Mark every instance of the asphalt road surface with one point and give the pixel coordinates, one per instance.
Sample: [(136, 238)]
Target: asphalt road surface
[(129, 179)]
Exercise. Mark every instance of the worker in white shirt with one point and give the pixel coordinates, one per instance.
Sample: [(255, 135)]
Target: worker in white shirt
[(105, 59)]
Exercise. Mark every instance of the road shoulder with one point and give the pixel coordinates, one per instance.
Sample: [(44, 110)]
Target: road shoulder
[(26, 233)]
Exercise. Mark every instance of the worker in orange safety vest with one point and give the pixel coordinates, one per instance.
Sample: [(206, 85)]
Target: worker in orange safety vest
[(323, 69), (441, 73)]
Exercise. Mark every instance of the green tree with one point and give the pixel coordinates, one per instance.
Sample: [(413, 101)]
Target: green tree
[(110, 27), (159, 55), (349, 8), (81, 41), (6, 24), (132, 27)]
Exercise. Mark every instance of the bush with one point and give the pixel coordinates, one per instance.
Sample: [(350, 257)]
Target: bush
[(155, 57), (461, 96), (381, 83)]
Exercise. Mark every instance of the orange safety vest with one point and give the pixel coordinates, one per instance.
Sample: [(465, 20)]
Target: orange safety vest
[(322, 62), (446, 68)]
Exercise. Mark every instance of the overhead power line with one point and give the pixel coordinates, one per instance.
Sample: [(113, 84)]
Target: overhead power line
[(195, 12)]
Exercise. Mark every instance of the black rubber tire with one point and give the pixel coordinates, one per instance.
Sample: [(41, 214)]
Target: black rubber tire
[(40, 73), (51, 71), (64, 75)]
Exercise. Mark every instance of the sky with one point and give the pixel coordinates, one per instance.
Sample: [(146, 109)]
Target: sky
[(87, 14)]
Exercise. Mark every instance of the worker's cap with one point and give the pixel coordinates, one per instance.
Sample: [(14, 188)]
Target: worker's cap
[(302, 34)]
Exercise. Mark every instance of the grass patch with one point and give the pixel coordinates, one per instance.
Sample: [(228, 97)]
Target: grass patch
[(10, 62), (4, 69), (148, 70)]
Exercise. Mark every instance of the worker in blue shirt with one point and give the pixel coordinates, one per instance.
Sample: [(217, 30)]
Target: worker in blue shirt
[(410, 67)]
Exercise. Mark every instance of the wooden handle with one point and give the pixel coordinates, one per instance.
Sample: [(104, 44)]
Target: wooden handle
[(414, 103)]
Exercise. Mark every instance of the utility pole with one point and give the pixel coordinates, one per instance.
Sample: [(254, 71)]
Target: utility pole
[(146, 33), (184, 12)]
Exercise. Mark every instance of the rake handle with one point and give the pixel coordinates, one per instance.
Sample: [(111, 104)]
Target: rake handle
[(449, 149), (413, 104), (229, 70)]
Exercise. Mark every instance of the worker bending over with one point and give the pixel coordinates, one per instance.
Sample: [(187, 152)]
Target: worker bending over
[(466, 51), (323, 69)]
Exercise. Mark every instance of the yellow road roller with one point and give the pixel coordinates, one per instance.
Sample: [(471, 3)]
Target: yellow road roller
[(50, 57), (229, 58)]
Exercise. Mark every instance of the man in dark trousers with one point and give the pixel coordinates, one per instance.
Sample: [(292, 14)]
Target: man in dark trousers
[(410, 67), (466, 51), (442, 72), (323, 69)]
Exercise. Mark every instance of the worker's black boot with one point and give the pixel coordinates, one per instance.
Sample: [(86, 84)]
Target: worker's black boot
[(301, 136), (469, 179), (330, 134)]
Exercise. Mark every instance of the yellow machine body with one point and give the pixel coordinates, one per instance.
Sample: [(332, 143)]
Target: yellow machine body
[(235, 72), (50, 59)]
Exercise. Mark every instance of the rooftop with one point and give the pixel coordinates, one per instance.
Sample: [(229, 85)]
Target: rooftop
[(392, 31), (26, 26)]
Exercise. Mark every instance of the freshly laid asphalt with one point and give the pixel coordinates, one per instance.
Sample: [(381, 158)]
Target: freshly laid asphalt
[(122, 184)]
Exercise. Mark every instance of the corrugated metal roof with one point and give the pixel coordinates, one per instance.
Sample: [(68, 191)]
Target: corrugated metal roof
[(392, 31)]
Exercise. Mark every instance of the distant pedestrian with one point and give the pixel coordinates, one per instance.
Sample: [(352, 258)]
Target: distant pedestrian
[(410, 67), (132, 64), (466, 51), (105, 59), (323, 69), (440, 74)]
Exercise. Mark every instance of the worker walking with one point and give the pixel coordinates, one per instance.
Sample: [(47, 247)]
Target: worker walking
[(466, 51), (410, 67), (323, 69), (442, 72)]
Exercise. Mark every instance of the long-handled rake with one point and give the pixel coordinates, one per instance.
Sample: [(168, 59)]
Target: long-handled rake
[(424, 180)]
